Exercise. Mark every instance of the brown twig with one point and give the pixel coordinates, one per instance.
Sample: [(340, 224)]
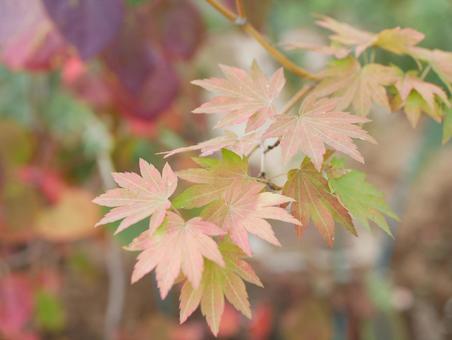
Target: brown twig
[(250, 30), (240, 8)]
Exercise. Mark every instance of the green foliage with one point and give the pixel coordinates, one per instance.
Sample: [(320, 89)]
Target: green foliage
[(362, 200), (50, 315)]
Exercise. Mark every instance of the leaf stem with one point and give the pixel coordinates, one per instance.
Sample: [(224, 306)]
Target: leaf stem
[(295, 98), (426, 71), (251, 31)]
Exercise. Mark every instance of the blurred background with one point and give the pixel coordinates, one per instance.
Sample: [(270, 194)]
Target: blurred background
[(96, 94)]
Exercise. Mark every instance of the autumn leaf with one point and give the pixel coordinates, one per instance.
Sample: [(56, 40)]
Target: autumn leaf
[(181, 247), (241, 145), (417, 96), (396, 40), (242, 96), (314, 201), (211, 179), (362, 200), (216, 284), (357, 86), (330, 50), (440, 61), (139, 197), (347, 35), (244, 209), (318, 123)]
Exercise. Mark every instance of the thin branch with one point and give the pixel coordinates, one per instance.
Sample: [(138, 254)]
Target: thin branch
[(270, 184), (250, 30), (240, 8), (272, 146), (115, 267)]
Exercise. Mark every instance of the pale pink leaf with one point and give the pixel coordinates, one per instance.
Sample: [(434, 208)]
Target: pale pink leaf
[(139, 196), (242, 96), (316, 124)]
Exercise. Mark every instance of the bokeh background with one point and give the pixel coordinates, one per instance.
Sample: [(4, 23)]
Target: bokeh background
[(71, 109)]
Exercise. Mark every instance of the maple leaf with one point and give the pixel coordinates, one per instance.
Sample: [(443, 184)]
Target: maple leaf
[(182, 246), (396, 40), (418, 96), (316, 124), (218, 283), (362, 200), (244, 209), (356, 86), (242, 96), (332, 50), (314, 201), (139, 197), (240, 145), (347, 35), (212, 179), (440, 61)]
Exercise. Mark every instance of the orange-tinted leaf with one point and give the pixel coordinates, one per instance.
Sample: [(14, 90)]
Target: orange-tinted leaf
[(314, 201), (316, 124)]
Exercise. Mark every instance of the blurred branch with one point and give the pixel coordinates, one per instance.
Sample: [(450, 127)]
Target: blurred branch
[(250, 30), (240, 8), (115, 267)]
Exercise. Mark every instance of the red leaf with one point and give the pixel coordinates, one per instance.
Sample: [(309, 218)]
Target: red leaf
[(178, 26)]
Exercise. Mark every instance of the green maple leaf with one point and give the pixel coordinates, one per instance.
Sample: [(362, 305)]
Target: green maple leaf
[(315, 201), (363, 200), (211, 179)]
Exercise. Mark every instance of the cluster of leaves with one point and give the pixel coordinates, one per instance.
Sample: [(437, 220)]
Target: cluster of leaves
[(206, 252)]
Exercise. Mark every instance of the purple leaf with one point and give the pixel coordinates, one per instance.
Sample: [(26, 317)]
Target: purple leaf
[(179, 27), (89, 25)]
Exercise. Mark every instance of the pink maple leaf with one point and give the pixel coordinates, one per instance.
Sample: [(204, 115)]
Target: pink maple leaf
[(139, 197), (181, 247), (318, 123), (242, 96), (244, 209)]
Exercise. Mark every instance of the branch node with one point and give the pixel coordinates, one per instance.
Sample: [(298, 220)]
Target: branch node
[(240, 21)]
